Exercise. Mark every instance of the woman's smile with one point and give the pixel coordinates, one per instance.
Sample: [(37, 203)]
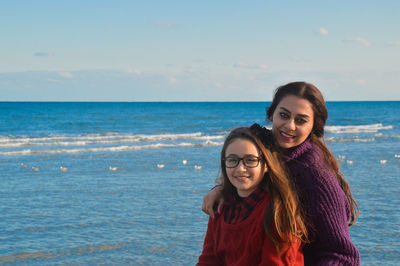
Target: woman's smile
[(292, 121), (286, 135)]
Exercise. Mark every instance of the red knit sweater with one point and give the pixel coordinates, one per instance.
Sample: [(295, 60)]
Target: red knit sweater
[(245, 243)]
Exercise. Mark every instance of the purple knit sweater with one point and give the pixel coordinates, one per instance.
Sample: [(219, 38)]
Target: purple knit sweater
[(326, 206)]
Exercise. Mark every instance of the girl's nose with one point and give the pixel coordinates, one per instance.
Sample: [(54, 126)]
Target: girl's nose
[(241, 165)]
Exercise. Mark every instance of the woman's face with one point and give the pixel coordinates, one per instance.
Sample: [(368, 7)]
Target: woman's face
[(245, 179), (292, 121)]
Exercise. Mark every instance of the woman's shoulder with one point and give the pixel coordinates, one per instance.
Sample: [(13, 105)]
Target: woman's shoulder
[(316, 181), (307, 165), (307, 154)]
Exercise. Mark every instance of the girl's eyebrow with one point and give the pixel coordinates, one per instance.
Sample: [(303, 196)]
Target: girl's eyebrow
[(301, 115), (235, 155)]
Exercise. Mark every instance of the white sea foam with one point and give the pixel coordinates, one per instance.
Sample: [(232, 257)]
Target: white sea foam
[(14, 141), (97, 137), (114, 142), (112, 149), (211, 137), (93, 141), (373, 128), (209, 143), (345, 140), (55, 143)]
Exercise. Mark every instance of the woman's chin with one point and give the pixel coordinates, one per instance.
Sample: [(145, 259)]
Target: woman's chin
[(286, 145)]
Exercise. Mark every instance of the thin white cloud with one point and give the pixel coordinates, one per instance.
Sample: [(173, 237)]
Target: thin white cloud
[(393, 43), (163, 24), (359, 40), (190, 70), (172, 80), (134, 71), (323, 31), (67, 75), (43, 54), (361, 81), (298, 59), (249, 66)]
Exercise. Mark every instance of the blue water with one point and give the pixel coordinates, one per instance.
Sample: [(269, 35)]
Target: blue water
[(113, 202)]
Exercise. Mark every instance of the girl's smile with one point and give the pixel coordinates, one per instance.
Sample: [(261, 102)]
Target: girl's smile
[(245, 179)]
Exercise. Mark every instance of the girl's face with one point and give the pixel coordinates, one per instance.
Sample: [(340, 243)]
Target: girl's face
[(245, 179), (292, 121)]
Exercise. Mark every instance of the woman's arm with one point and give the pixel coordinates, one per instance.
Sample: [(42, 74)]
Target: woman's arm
[(214, 197)]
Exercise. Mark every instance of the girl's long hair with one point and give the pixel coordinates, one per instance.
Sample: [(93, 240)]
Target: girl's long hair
[(283, 218), (314, 96)]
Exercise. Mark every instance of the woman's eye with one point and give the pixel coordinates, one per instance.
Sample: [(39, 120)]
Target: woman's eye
[(231, 160), (283, 115), (300, 121)]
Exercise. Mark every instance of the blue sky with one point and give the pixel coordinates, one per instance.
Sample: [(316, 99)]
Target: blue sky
[(197, 50)]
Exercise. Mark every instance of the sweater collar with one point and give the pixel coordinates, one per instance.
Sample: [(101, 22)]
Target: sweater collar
[(296, 152), (251, 200)]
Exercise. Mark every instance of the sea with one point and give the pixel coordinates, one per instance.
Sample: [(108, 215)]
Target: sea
[(88, 183)]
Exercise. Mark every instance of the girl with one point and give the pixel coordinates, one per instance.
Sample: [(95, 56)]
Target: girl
[(298, 114), (260, 222)]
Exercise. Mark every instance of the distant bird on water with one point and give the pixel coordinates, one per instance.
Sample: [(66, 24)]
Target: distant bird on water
[(36, 169), (63, 169), (111, 168), (197, 167), (184, 162), (160, 166)]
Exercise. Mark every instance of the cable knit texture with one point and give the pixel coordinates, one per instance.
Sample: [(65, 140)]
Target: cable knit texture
[(326, 206)]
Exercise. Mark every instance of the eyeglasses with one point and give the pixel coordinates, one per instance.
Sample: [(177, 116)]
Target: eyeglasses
[(249, 161)]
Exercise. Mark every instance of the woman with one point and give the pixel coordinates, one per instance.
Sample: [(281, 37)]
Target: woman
[(260, 222), (298, 114)]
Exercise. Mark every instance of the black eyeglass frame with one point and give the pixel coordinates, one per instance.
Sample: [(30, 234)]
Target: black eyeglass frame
[(244, 162)]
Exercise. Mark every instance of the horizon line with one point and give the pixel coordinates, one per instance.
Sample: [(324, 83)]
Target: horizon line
[(194, 101)]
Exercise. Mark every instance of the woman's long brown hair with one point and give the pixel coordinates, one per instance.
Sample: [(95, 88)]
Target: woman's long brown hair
[(283, 219), (314, 96)]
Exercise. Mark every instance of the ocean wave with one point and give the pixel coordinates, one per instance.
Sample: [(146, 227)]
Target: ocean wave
[(115, 142), (16, 141), (56, 143), (98, 137), (112, 149), (344, 140), (372, 128)]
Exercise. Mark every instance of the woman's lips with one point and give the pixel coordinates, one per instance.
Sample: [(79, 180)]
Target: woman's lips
[(286, 136)]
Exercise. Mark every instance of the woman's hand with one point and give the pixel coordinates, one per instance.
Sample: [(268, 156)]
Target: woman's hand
[(214, 197)]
